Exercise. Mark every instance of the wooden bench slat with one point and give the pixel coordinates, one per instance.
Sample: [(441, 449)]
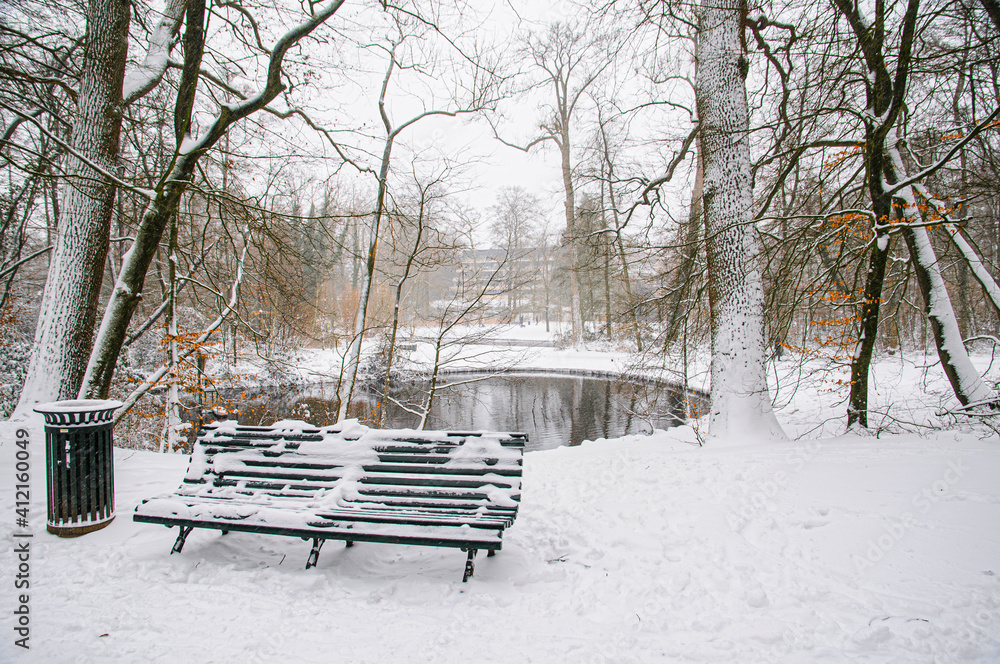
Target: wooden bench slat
[(305, 490), (323, 479), (492, 465), (472, 511), (475, 493), (278, 520), (361, 515)]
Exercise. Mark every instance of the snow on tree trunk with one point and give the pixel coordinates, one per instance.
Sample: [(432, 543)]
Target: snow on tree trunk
[(989, 285), (979, 271), (741, 405), (127, 292), (965, 380), (169, 441), (63, 335)]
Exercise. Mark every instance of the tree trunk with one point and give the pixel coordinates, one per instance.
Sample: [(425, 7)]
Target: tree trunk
[(965, 380), (682, 286), (605, 247), (397, 304), (353, 357), (630, 300), (128, 290), (576, 309), (169, 441), (63, 336), (884, 102), (741, 404), (857, 406)]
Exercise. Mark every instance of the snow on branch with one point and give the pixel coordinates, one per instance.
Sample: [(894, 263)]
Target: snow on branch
[(990, 121), (21, 262), (979, 271), (147, 75), (230, 114), (653, 185), (284, 115)]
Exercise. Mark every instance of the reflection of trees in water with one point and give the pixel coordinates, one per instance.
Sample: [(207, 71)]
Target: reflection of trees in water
[(553, 410)]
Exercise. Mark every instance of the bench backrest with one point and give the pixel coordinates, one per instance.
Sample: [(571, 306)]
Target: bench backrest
[(349, 464)]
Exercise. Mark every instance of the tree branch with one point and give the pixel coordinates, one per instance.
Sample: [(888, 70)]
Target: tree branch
[(147, 76)]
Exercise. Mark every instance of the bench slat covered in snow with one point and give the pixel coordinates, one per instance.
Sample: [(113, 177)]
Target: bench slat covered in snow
[(348, 482)]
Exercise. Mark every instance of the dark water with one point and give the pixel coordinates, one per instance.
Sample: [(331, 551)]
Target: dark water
[(553, 410)]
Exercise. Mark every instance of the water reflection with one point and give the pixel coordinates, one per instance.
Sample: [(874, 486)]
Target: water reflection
[(553, 410)]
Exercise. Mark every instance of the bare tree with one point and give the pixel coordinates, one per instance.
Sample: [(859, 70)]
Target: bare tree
[(429, 192), (741, 404), (515, 218), (571, 60), (479, 96), (891, 194)]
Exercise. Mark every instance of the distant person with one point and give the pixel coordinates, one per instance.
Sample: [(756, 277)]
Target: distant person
[(777, 348)]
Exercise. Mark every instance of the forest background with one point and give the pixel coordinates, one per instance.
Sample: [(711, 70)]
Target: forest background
[(190, 183)]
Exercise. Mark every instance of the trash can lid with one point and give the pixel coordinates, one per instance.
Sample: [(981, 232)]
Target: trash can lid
[(77, 406)]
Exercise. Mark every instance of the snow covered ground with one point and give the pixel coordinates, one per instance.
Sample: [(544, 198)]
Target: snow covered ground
[(830, 548)]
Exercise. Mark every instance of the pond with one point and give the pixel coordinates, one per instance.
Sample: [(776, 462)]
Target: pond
[(552, 409)]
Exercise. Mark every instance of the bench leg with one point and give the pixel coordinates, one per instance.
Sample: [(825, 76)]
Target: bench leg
[(491, 553), (225, 532), (470, 566), (349, 544), (181, 538), (314, 554)]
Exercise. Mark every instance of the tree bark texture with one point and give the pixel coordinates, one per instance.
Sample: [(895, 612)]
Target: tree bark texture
[(63, 335), (741, 404)]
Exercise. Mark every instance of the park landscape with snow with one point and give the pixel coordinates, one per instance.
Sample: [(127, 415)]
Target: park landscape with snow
[(828, 547), (835, 200)]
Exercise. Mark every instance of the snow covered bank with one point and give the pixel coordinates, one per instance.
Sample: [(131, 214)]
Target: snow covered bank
[(495, 348), (642, 549)]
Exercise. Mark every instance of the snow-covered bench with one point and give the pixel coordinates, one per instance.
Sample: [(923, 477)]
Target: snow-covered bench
[(348, 482)]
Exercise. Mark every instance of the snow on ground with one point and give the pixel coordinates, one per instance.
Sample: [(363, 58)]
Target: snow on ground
[(844, 548)]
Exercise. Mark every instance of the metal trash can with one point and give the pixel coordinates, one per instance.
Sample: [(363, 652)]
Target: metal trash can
[(78, 465)]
